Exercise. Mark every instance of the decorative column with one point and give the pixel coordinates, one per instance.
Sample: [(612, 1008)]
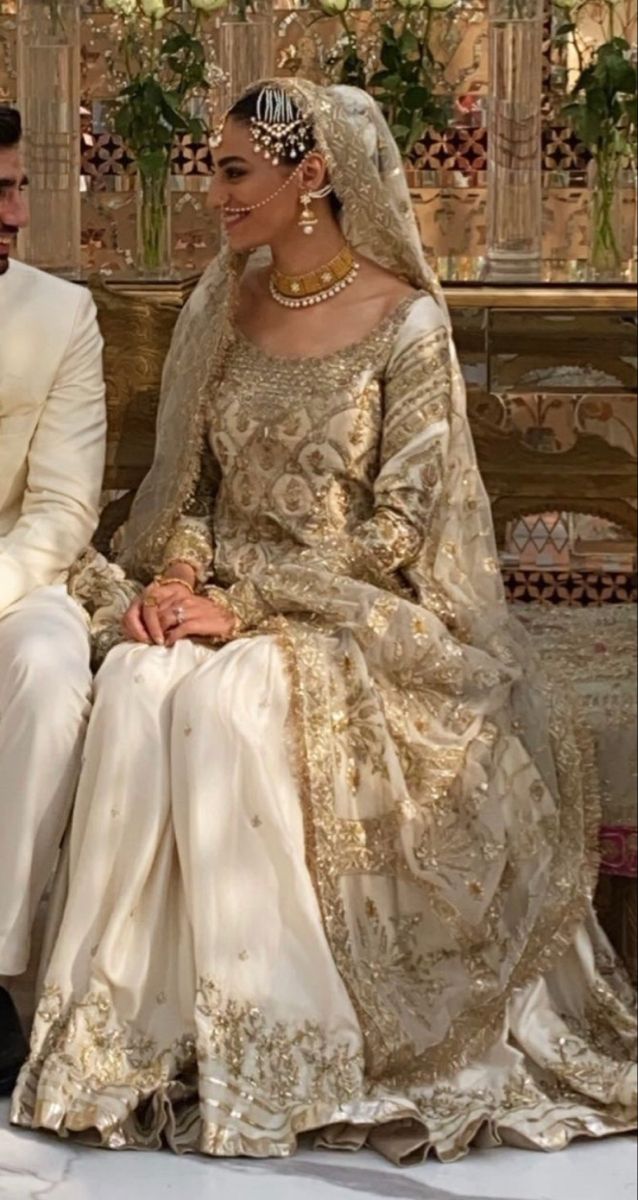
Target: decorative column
[(49, 99), (514, 201), (245, 49)]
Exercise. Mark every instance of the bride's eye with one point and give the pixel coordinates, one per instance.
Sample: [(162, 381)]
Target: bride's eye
[(235, 173)]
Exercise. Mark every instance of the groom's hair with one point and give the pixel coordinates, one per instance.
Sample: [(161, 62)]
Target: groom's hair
[(10, 127)]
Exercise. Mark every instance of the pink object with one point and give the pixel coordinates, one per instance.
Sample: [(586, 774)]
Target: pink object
[(618, 846)]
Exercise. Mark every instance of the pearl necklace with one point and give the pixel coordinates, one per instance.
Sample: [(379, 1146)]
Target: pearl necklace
[(301, 291)]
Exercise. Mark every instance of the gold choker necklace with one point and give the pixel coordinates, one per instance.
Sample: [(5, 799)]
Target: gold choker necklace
[(300, 291)]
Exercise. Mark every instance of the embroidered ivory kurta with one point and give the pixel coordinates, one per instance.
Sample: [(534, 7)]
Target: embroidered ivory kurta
[(335, 876)]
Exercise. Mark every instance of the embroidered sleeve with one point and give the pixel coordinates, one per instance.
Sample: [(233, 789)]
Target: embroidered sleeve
[(414, 445), (192, 538), (192, 543)]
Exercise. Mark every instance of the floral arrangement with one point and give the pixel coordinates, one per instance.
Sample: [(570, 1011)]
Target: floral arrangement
[(166, 69), (404, 75), (601, 106)]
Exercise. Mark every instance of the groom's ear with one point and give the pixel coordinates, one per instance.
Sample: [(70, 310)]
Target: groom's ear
[(314, 172)]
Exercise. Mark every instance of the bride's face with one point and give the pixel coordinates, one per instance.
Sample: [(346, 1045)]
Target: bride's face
[(256, 209)]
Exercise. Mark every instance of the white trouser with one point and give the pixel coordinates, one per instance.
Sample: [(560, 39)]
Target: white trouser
[(45, 692)]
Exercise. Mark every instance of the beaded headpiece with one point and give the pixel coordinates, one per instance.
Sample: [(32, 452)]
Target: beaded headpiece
[(277, 127)]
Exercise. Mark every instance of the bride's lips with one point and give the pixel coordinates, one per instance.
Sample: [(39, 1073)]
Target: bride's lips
[(234, 218)]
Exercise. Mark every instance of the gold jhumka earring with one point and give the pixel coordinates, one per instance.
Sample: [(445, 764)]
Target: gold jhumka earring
[(308, 219)]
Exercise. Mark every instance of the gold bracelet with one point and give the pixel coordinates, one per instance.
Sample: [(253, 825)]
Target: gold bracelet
[(166, 580)]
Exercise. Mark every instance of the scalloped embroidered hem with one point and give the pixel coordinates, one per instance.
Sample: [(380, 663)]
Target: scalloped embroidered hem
[(403, 1130)]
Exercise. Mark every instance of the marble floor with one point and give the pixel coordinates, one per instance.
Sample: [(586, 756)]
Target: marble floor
[(42, 1168)]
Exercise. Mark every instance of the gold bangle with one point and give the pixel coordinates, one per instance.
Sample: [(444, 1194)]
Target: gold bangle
[(166, 580)]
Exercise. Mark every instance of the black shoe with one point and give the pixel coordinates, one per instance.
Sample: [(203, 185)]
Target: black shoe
[(13, 1046)]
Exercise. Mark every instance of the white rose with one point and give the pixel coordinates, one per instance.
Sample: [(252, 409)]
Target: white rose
[(123, 8), (208, 6), (154, 9), (332, 8)]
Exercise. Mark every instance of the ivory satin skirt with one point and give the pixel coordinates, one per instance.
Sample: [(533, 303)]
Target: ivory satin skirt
[(191, 997)]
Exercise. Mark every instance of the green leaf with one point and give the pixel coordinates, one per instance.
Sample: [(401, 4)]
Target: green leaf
[(177, 42), (412, 70), (392, 83), (584, 79), (401, 134), (616, 74), (409, 44), (441, 118), (614, 47), (417, 98), (390, 58), (591, 128)]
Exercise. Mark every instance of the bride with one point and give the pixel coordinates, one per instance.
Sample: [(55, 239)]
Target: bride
[(333, 850)]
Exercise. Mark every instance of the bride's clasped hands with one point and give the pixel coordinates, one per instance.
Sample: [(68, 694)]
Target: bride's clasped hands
[(170, 609)]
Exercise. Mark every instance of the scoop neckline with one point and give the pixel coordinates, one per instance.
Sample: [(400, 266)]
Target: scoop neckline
[(390, 319)]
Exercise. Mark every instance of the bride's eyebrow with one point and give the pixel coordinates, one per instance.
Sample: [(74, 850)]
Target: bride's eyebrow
[(233, 158)]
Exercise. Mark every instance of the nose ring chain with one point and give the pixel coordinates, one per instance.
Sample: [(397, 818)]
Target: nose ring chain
[(237, 212)]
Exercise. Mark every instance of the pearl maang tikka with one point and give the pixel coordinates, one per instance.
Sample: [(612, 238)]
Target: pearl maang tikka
[(275, 130)]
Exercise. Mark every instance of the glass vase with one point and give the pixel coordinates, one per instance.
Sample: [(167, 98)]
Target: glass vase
[(48, 95), (245, 49), (514, 199), (153, 258), (607, 248)]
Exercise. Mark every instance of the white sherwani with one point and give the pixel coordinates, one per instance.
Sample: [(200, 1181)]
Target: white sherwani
[(52, 445)]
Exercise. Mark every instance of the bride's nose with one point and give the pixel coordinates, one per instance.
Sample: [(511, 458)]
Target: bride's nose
[(216, 193)]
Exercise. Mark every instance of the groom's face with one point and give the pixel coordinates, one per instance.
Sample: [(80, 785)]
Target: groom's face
[(14, 213)]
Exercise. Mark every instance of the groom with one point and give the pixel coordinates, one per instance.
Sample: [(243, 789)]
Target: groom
[(52, 444)]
